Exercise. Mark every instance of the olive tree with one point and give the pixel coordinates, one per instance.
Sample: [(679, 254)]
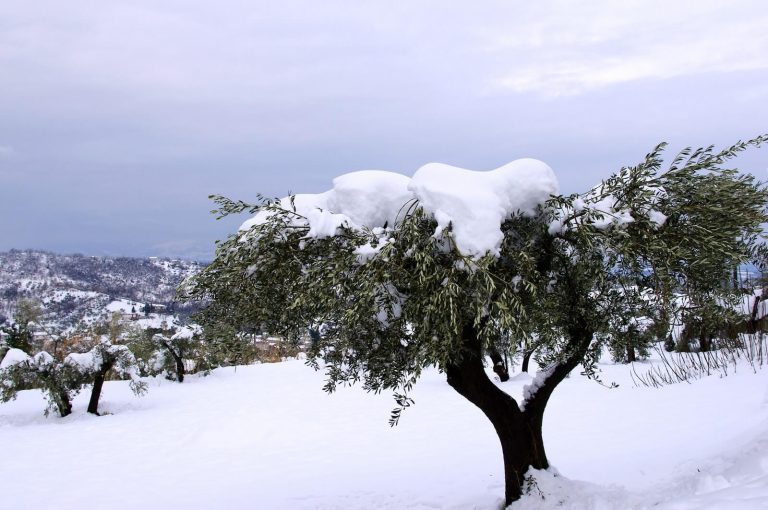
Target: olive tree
[(59, 381), (95, 365), (448, 266), (175, 348)]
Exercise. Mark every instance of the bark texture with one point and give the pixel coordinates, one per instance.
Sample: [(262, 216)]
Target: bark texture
[(93, 403), (519, 430), (180, 371), (521, 444), (499, 365), (98, 384)]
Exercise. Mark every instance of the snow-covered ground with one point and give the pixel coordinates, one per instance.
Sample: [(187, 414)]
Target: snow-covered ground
[(267, 437)]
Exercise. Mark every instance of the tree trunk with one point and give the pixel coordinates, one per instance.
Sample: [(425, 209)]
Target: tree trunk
[(63, 403), (519, 433), (179, 368), (631, 358), (98, 383), (682, 343), (526, 360), (93, 403), (705, 344), (179, 363), (499, 365)]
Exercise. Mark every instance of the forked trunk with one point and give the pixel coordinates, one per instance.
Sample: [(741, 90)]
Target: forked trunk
[(519, 433), (179, 362)]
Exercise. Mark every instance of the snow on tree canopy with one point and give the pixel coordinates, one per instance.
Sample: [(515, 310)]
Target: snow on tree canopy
[(85, 362), (368, 198), (186, 333), (475, 204), (14, 357), (42, 359)]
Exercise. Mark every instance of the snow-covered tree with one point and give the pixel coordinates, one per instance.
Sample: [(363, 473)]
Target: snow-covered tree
[(20, 332), (94, 365), (174, 349), (60, 382), (447, 266), (62, 373)]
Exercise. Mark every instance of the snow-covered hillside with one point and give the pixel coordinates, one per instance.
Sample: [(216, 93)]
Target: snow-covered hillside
[(267, 437), (72, 288)]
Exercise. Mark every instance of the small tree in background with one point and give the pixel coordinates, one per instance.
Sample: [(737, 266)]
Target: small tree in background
[(175, 349), (225, 345), (59, 381), (94, 365), (408, 289), (20, 332), (630, 332)]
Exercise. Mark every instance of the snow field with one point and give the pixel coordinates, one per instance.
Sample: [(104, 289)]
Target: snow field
[(267, 437)]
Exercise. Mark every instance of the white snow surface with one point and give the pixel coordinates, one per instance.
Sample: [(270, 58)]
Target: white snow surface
[(267, 437), (367, 198), (85, 362), (14, 357), (124, 306), (474, 204), (187, 332)]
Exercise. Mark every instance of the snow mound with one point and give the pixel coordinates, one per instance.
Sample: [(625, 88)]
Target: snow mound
[(187, 332), (368, 198), (85, 362), (14, 357), (474, 204)]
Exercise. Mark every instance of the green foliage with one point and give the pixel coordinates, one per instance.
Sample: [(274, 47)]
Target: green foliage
[(18, 338), (224, 345), (394, 300), (140, 344), (20, 333)]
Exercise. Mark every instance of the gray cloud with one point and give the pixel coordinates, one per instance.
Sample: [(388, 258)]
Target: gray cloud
[(123, 118)]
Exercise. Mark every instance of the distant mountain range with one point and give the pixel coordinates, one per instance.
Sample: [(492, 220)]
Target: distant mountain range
[(72, 288)]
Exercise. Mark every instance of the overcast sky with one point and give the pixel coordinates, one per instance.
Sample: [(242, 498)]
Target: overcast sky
[(118, 119)]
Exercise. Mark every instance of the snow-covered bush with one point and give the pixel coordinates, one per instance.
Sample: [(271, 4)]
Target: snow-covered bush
[(174, 350), (96, 364), (59, 381), (19, 332)]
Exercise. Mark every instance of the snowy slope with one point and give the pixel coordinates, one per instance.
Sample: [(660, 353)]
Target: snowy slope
[(267, 437), (73, 289)]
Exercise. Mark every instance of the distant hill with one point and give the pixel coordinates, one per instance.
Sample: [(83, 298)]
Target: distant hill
[(75, 287)]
